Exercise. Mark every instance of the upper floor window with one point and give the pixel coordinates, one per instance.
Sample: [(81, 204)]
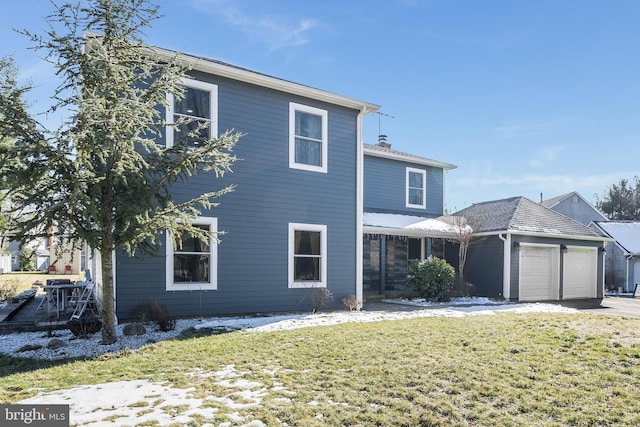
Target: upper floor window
[(198, 110), (307, 255), (307, 138), (192, 264), (416, 188)]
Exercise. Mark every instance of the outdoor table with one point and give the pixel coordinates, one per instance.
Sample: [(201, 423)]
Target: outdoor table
[(58, 294)]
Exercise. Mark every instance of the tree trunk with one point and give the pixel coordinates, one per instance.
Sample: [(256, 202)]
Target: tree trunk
[(108, 308)]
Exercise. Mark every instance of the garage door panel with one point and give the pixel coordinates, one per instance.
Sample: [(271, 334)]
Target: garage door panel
[(538, 273), (579, 278)]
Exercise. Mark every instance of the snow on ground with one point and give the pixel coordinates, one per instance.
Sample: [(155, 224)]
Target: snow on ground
[(10, 344), (141, 401)]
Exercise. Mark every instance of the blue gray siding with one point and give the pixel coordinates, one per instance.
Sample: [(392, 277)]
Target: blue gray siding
[(483, 267), (578, 210), (385, 187), (252, 257)]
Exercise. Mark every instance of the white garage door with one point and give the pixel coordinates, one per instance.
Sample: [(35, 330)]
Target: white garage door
[(580, 272), (539, 273)]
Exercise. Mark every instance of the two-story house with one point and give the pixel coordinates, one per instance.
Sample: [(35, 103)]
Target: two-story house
[(293, 223), (403, 197)]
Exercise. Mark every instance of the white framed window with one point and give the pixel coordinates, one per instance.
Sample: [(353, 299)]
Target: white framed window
[(193, 265), (307, 255), (308, 147), (416, 188), (199, 107)]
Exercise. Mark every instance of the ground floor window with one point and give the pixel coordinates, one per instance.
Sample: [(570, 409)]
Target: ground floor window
[(192, 262), (307, 255)]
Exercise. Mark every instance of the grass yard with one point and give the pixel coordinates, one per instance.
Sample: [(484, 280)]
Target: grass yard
[(505, 369)]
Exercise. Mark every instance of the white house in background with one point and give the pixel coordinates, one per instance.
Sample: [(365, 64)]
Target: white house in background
[(623, 255)]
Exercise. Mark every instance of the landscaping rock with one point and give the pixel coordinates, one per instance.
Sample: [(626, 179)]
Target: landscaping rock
[(55, 344), (29, 347), (134, 329)]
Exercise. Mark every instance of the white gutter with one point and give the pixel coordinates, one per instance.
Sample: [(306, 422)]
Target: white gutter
[(547, 235), (506, 268)]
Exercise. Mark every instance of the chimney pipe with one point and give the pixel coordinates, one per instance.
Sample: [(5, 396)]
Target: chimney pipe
[(382, 142)]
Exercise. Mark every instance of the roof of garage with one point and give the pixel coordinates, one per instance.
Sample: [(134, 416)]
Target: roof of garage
[(522, 216)]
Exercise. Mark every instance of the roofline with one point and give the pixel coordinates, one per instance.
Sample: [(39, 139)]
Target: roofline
[(372, 229), (405, 157), (258, 79), (616, 242), (551, 235)]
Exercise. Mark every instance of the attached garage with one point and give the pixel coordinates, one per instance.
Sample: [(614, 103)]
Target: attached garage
[(579, 273), (539, 272)]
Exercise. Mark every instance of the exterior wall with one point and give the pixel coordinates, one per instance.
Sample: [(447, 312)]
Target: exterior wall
[(253, 253), (578, 210), (483, 267), (553, 241), (385, 187), (616, 268)]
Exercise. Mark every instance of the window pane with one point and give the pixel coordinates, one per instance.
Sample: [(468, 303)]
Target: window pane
[(191, 244), (415, 180), (195, 103), (307, 243), (190, 268), (415, 196), (307, 269), (308, 125), (308, 152), (183, 131)]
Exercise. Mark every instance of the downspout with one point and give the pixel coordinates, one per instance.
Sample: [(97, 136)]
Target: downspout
[(626, 275), (506, 268), (359, 205)]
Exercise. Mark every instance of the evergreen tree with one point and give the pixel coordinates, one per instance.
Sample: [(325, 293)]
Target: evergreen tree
[(621, 201), (102, 178)]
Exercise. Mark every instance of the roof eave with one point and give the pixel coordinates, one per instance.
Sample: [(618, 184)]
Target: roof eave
[(548, 235), (247, 76), (408, 159), (369, 229)]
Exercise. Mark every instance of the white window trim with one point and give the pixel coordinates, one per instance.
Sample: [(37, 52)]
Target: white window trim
[(213, 107), (293, 227), (293, 107), (424, 188), (213, 262)]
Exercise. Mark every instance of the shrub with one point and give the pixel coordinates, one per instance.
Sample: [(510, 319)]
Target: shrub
[(9, 288), (27, 260), (158, 313), (351, 302), (320, 297), (431, 278)]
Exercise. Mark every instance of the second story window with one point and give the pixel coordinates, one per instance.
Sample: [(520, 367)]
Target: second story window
[(198, 109), (307, 138), (416, 188)]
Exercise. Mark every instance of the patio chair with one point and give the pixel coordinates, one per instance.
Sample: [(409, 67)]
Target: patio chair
[(84, 302)]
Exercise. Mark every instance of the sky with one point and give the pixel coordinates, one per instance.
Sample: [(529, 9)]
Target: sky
[(526, 98)]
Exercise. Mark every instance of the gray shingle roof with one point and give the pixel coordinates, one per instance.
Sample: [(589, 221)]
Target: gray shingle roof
[(521, 214), (379, 151)]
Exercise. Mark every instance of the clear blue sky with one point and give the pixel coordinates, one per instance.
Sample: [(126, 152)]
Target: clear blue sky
[(525, 97)]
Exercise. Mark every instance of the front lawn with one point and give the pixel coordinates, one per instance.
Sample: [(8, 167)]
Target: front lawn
[(503, 369)]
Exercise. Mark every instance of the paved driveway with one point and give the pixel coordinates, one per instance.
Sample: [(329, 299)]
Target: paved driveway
[(620, 306)]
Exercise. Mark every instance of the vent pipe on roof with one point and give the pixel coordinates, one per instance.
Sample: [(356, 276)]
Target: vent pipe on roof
[(382, 142)]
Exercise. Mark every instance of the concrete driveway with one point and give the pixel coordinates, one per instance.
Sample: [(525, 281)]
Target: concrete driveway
[(616, 305)]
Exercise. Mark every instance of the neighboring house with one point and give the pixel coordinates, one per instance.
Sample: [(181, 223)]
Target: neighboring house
[(575, 207), (38, 248), (524, 251), (403, 197), (292, 225), (623, 255)]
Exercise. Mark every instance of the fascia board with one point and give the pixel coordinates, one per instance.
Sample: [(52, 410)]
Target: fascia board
[(548, 235), (408, 159), (247, 76)]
